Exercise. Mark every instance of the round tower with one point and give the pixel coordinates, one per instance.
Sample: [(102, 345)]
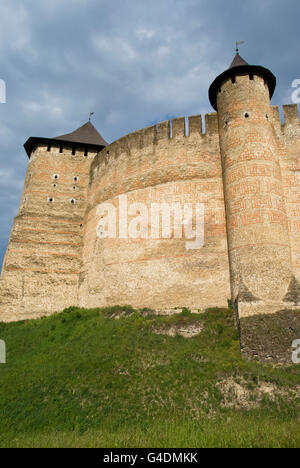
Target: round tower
[(257, 230)]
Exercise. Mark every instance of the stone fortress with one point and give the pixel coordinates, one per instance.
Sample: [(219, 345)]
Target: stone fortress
[(245, 169)]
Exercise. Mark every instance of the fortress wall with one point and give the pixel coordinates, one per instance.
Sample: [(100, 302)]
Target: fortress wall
[(289, 144), (150, 166), (41, 266), (52, 245)]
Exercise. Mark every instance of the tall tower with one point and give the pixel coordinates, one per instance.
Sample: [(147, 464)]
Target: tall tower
[(41, 267), (257, 229)]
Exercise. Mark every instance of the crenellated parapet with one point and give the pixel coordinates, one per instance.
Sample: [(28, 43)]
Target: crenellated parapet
[(191, 128), (169, 150), (166, 131), (290, 127)]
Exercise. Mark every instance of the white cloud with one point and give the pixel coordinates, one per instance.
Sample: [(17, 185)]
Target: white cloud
[(5, 173), (6, 134), (180, 91), (114, 48), (145, 33), (14, 26), (48, 104), (162, 51), (9, 178)]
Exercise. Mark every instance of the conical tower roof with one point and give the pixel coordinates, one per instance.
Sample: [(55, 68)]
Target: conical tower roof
[(238, 61), (86, 134), (240, 67)]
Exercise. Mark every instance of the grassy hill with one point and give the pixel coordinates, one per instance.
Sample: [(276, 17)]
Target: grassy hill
[(116, 378)]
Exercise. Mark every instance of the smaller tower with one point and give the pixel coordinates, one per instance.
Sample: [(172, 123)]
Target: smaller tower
[(41, 266), (257, 229)]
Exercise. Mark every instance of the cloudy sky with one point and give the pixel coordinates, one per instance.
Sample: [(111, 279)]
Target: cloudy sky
[(132, 62)]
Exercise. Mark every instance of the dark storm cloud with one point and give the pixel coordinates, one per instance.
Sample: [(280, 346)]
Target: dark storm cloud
[(132, 62)]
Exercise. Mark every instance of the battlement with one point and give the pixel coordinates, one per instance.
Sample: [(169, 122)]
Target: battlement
[(183, 128), (169, 131), (56, 148), (291, 123)]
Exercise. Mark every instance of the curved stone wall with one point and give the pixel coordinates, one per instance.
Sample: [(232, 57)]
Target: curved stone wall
[(149, 166)]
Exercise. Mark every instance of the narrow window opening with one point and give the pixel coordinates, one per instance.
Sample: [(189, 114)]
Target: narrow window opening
[(86, 151), (61, 148), (251, 76), (49, 147), (233, 79), (73, 150)]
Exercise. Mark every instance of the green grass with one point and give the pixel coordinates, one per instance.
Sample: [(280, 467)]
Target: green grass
[(81, 378)]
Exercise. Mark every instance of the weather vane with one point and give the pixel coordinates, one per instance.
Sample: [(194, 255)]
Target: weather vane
[(91, 113), (237, 44)]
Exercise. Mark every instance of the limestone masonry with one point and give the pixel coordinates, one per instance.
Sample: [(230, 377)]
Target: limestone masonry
[(245, 168)]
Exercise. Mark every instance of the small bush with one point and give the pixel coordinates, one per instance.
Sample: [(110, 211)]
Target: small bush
[(186, 311)]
